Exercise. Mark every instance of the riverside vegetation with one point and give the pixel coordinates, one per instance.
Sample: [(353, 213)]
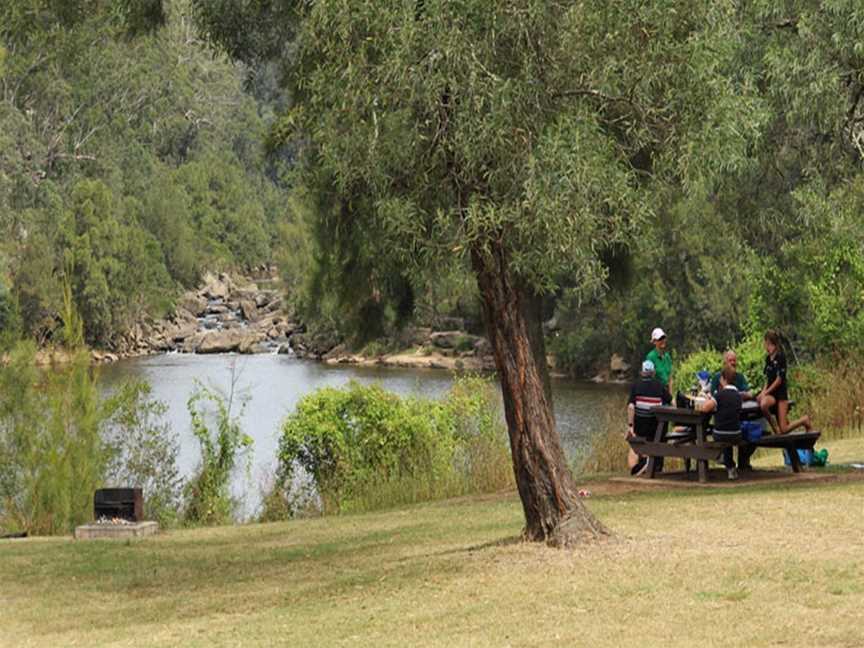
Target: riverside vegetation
[(359, 448), (364, 448), (133, 158)]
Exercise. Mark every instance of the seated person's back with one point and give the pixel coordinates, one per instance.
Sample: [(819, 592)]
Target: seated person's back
[(726, 405), (646, 394), (728, 415)]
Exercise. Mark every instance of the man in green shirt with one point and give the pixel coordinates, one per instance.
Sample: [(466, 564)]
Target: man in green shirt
[(731, 359), (661, 358)]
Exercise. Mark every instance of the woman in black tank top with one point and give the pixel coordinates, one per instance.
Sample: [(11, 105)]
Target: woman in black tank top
[(776, 391)]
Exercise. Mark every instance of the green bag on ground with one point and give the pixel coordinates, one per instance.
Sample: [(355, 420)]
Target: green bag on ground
[(820, 457)]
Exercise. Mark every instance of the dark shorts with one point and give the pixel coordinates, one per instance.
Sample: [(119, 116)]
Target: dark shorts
[(781, 393), (732, 436)]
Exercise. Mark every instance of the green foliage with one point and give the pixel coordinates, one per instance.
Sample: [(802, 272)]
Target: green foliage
[(51, 452), (684, 372), (129, 150), (463, 343), (731, 136), (489, 135), (222, 442), (751, 361), (143, 451), (62, 437), (73, 326), (580, 350), (10, 319), (363, 447), (812, 292)]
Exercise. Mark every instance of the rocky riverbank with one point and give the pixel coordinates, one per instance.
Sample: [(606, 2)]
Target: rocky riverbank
[(235, 315), (423, 348), (224, 315), (228, 314)]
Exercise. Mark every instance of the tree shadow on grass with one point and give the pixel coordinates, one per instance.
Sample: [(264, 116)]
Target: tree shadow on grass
[(491, 544)]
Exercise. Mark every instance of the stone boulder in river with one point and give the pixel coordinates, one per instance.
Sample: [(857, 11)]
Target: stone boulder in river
[(220, 341)]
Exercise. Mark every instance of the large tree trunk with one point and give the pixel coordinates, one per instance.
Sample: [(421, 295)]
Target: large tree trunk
[(553, 511)]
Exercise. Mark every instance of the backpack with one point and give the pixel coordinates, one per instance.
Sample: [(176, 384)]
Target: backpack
[(752, 430), (804, 456)]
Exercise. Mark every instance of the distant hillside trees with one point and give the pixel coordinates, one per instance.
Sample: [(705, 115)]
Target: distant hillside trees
[(129, 155)]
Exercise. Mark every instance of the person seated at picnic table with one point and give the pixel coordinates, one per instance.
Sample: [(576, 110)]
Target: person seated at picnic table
[(645, 394), (774, 397), (726, 406), (730, 359)]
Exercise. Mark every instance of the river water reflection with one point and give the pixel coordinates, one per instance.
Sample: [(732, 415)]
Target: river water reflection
[(275, 383)]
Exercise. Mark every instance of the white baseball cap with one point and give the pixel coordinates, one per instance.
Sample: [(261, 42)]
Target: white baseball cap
[(648, 367), (657, 334)]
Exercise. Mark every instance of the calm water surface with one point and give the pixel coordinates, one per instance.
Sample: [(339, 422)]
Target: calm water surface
[(274, 383)]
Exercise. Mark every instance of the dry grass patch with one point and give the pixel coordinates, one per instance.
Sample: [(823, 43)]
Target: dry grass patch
[(759, 566)]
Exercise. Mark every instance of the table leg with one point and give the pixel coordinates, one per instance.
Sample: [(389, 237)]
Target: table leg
[(701, 463), (651, 469), (794, 459)]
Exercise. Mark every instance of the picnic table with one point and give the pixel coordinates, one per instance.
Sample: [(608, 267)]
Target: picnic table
[(692, 444)]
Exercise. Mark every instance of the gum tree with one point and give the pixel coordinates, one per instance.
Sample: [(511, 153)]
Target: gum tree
[(522, 138)]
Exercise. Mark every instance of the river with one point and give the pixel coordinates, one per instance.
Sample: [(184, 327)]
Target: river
[(273, 384)]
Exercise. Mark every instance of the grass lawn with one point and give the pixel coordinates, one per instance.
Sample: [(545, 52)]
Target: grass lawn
[(770, 565)]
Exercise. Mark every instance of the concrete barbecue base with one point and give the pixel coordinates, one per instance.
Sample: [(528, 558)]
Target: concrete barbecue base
[(115, 531)]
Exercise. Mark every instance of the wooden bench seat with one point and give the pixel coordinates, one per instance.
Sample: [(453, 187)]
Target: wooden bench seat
[(708, 451), (799, 441), (713, 450), (791, 442)]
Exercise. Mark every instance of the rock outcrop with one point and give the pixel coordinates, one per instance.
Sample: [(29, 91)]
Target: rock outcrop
[(224, 315), (234, 315)]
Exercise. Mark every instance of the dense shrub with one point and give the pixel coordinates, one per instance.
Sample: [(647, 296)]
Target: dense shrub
[(363, 447), (811, 292), (138, 161), (581, 351), (751, 357), (9, 317)]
